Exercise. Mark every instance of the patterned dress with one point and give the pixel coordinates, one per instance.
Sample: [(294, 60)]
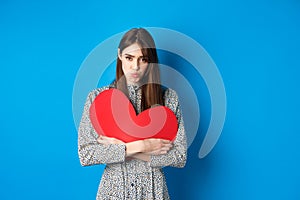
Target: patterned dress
[(130, 179)]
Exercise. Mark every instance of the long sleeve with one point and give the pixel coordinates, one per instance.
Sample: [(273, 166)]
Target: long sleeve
[(89, 150), (176, 157)]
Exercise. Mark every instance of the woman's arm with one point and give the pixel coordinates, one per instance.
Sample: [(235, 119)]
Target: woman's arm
[(141, 149), (155, 151), (164, 155), (89, 150), (176, 157), (94, 150)]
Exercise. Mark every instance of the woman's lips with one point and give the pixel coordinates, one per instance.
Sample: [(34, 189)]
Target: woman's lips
[(135, 75)]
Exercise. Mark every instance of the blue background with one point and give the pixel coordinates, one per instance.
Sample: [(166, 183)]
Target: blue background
[(255, 45)]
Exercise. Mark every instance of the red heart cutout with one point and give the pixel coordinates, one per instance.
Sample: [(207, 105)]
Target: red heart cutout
[(113, 115)]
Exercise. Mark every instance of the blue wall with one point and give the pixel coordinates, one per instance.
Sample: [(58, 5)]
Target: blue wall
[(254, 44)]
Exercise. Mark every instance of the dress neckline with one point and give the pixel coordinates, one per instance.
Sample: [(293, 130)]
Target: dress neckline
[(133, 87)]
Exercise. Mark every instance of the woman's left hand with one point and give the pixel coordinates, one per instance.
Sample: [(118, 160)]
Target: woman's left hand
[(108, 140)]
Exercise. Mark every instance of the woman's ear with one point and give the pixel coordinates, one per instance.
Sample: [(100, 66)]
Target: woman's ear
[(119, 54)]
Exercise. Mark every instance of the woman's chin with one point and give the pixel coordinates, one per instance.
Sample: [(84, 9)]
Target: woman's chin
[(133, 82)]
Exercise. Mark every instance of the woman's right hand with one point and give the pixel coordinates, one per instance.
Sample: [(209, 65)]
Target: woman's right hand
[(155, 146), (148, 147)]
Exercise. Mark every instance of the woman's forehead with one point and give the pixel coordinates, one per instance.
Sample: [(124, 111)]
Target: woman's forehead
[(133, 49)]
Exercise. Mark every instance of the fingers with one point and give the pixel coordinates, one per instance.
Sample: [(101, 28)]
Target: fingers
[(101, 140), (166, 148), (160, 140), (108, 140), (166, 145), (165, 141), (159, 152), (157, 145), (102, 137)]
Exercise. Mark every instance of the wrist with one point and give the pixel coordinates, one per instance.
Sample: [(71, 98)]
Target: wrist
[(134, 147)]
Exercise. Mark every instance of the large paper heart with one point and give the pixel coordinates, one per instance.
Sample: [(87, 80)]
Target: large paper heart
[(113, 115)]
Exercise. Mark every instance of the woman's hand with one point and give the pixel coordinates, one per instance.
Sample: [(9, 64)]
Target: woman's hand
[(156, 146), (152, 147), (140, 149), (108, 140)]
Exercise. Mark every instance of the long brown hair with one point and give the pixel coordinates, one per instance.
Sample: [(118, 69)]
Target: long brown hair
[(151, 88)]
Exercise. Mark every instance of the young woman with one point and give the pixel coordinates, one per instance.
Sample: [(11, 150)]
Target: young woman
[(134, 170)]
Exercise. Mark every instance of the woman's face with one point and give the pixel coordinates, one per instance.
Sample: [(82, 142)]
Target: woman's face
[(134, 64)]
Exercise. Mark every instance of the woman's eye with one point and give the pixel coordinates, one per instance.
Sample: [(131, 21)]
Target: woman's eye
[(128, 58), (144, 60)]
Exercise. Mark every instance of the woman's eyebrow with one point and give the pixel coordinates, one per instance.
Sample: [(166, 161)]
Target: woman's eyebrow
[(126, 54)]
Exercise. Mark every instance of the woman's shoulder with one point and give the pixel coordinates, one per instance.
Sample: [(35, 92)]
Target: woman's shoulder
[(95, 92), (169, 93), (171, 99)]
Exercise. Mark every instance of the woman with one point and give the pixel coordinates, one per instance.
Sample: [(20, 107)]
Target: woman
[(134, 170)]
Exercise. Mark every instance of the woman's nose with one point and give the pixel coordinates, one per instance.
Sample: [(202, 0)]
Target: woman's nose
[(135, 65)]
